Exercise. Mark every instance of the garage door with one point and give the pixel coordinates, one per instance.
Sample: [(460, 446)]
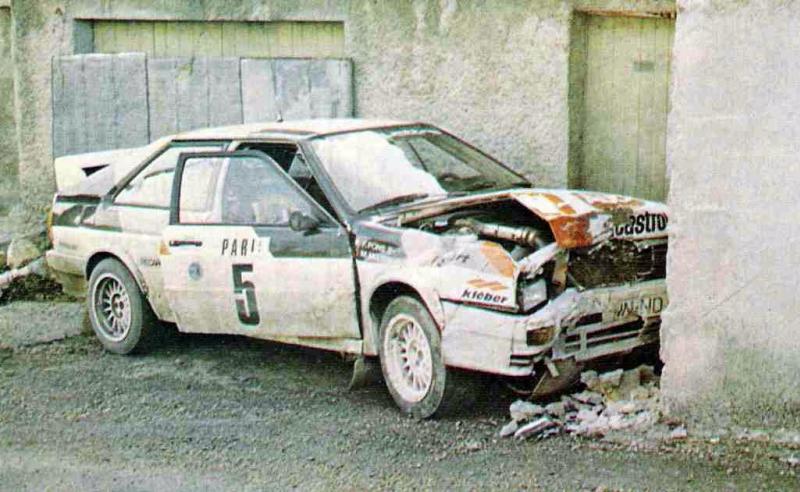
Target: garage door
[(104, 102), (280, 39), (142, 80), (625, 105)]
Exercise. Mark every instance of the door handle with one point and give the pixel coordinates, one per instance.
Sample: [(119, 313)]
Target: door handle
[(185, 242)]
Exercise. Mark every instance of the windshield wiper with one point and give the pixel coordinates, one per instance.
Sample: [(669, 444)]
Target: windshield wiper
[(396, 201), (494, 186)]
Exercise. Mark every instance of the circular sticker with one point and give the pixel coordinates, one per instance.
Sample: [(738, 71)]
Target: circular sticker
[(195, 271)]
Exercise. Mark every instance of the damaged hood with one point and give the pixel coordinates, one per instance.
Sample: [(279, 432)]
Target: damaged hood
[(576, 218)]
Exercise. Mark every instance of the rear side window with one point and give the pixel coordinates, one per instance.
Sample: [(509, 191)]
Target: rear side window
[(199, 184), (152, 187)]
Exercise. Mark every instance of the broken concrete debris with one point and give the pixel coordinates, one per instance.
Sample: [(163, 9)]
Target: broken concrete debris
[(588, 397), (524, 410), (509, 429), (20, 252), (557, 409), (538, 427), (611, 401), (793, 461), (678, 433), (37, 267)]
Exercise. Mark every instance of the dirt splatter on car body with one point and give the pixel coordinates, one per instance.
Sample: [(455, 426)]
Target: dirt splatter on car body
[(308, 232)]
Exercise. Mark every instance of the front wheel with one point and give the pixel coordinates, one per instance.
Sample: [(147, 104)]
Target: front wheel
[(119, 314), (411, 358)]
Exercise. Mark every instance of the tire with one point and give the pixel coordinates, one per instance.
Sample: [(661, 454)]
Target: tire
[(419, 387), (119, 313)]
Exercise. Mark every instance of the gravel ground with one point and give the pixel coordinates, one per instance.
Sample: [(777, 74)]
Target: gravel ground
[(216, 412), (24, 323)]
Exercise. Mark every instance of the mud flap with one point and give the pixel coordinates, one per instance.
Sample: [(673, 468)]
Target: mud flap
[(558, 376), (366, 371)]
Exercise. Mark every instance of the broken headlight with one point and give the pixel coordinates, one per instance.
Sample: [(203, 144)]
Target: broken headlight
[(532, 293), (540, 336)]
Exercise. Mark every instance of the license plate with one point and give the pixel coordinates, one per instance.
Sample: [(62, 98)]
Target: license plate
[(640, 306)]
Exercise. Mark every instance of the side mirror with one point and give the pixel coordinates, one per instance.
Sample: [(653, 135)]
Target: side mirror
[(300, 222)]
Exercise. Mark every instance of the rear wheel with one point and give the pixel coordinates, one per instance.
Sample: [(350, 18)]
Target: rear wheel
[(119, 314), (411, 358)]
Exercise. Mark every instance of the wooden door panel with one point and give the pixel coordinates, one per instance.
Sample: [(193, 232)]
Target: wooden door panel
[(626, 104)]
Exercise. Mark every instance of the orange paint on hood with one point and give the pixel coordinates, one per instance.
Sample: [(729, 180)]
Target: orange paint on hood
[(498, 258), (571, 231)]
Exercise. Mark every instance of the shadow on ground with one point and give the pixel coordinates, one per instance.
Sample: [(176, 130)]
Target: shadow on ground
[(289, 367)]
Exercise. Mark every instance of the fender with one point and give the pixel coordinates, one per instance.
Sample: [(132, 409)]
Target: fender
[(372, 277), (126, 260)]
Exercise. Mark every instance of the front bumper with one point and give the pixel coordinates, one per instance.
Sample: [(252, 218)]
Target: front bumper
[(575, 325)]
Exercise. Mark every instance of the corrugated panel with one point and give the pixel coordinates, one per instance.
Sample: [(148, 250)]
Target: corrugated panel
[(104, 101), (295, 89), (625, 105), (99, 103), (189, 93), (244, 39)]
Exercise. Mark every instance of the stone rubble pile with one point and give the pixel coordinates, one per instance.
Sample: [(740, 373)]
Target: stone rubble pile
[(610, 401), (19, 252), (19, 257)]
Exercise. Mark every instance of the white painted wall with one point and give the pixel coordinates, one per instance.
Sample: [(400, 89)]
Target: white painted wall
[(731, 336)]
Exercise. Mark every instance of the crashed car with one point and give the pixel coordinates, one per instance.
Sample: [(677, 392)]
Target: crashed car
[(372, 238)]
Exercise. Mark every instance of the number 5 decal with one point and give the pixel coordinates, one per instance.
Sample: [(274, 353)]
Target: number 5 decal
[(245, 292)]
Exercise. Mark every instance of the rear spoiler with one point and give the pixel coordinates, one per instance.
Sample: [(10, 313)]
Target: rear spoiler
[(72, 169), (107, 168)]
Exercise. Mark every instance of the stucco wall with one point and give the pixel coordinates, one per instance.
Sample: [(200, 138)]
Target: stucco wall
[(731, 338), (495, 72), (8, 128)]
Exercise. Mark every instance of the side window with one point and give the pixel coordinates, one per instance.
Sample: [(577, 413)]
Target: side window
[(152, 187), (246, 190), (291, 160), (198, 190)]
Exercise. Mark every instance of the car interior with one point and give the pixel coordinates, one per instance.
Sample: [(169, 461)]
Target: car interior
[(293, 163)]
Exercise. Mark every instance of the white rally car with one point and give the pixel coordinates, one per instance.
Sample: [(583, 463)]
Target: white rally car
[(372, 238)]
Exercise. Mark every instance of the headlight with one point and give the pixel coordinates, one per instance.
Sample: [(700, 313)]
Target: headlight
[(532, 294), (540, 336)]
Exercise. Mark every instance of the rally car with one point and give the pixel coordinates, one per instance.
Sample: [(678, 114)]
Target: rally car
[(380, 239)]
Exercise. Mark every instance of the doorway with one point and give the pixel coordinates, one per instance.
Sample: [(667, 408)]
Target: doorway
[(619, 100)]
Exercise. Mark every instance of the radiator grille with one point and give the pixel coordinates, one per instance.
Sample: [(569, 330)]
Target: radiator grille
[(576, 341), (618, 262)]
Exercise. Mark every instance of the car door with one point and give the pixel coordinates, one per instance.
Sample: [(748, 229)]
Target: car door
[(140, 211), (248, 252)]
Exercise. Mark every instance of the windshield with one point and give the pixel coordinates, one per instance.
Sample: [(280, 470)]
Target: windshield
[(385, 167)]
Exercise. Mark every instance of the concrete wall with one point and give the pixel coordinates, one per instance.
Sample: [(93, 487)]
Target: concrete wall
[(731, 338), (8, 127), (495, 72)]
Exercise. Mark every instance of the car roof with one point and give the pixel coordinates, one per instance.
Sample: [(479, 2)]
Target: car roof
[(296, 129)]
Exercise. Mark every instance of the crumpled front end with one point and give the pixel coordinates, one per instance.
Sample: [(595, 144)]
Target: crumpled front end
[(528, 277), (577, 325)]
